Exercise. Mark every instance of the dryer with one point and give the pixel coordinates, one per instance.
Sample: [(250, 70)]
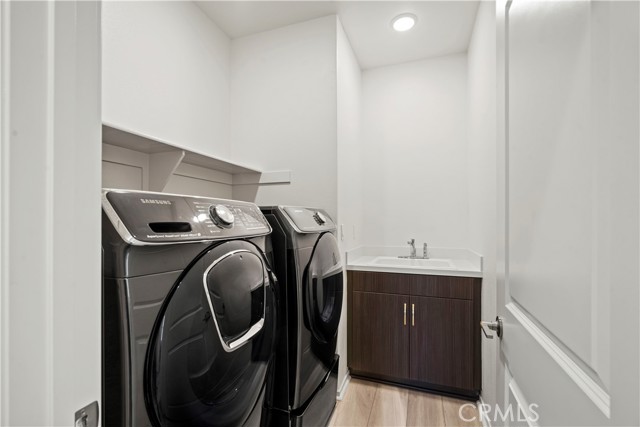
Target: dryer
[(306, 260), (188, 311)]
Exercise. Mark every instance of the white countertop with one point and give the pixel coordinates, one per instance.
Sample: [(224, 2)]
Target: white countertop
[(441, 261)]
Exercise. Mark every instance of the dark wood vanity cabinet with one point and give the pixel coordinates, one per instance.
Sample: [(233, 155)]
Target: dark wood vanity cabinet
[(382, 345), (418, 330)]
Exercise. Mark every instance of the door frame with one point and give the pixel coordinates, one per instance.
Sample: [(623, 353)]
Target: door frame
[(502, 201), (4, 257), (50, 149)]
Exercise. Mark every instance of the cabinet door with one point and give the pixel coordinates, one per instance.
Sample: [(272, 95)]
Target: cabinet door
[(380, 337), (442, 342)]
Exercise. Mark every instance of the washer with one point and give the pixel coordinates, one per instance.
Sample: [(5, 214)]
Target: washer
[(306, 259), (188, 311)]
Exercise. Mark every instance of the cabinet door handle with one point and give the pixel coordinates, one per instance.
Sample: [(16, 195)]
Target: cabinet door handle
[(405, 314), (413, 315)]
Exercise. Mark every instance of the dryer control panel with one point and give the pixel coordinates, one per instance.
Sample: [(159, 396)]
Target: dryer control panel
[(158, 218), (308, 220)]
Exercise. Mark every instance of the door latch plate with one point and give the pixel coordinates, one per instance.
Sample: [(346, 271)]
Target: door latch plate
[(87, 416)]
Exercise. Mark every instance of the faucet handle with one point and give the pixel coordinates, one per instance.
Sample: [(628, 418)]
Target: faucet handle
[(411, 242)]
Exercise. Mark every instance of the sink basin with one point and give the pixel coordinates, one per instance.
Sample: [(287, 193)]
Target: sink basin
[(435, 263)]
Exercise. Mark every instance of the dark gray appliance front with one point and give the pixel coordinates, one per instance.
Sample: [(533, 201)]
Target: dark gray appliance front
[(188, 312), (307, 262)]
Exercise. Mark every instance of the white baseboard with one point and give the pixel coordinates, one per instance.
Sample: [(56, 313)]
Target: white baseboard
[(342, 390), (486, 422)]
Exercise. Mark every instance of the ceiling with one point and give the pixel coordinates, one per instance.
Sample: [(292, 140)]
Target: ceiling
[(443, 27)]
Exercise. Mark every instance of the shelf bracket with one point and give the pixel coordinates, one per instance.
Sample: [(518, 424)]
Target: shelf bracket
[(162, 166)]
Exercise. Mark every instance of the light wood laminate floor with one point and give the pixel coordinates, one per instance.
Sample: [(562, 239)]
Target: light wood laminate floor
[(367, 403)]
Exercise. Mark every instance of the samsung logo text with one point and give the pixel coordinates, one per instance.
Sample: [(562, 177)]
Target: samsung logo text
[(155, 202)]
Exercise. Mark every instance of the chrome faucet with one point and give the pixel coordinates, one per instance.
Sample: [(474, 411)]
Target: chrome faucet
[(412, 243), (425, 253)]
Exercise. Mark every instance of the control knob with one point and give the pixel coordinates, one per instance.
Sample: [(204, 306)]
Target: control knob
[(221, 216)]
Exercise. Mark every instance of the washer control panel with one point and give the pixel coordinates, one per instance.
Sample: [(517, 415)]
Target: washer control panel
[(166, 218), (227, 215)]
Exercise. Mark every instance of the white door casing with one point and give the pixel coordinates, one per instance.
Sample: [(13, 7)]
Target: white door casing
[(50, 212), (568, 111), (3, 205)]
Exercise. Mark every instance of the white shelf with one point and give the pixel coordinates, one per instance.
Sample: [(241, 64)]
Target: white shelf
[(165, 158), (162, 159), (131, 140)]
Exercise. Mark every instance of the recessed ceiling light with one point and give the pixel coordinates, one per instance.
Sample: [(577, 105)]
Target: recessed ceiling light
[(404, 22)]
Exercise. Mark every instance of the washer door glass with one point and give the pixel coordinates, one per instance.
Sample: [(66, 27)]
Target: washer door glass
[(323, 289), (209, 349)]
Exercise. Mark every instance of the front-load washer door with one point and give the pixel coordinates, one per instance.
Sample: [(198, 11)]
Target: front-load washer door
[(209, 350), (322, 290)]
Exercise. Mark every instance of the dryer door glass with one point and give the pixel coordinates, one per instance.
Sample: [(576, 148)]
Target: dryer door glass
[(323, 289), (210, 346)]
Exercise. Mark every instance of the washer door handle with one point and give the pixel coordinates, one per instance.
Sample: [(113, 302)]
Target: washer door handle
[(253, 330)]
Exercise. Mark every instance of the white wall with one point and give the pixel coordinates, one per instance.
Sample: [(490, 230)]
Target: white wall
[(50, 212), (415, 181), (350, 214), (283, 111), (482, 169), (166, 74)]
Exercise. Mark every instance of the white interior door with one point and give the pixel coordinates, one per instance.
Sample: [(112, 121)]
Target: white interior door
[(570, 197)]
